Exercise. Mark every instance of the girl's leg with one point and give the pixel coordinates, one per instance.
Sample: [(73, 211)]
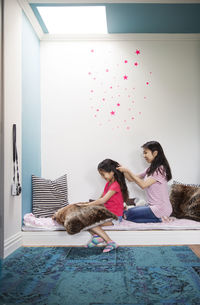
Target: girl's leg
[(100, 232), (101, 236), (109, 223), (141, 214)]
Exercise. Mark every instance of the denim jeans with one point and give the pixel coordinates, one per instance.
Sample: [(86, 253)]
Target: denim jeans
[(141, 214)]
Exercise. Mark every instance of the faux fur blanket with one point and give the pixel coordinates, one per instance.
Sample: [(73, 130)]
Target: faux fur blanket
[(76, 217), (185, 201)]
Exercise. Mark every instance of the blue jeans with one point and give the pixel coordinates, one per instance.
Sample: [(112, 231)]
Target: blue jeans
[(141, 214)]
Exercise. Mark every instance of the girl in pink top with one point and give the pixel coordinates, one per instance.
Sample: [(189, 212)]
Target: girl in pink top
[(113, 197), (154, 181)]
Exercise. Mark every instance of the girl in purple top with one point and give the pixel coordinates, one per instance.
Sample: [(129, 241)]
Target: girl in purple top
[(154, 182)]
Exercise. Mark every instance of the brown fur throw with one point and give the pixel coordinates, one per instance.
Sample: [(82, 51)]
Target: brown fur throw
[(76, 217), (185, 200)]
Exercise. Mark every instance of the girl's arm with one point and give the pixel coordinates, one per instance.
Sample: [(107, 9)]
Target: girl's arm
[(126, 173), (136, 178), (143, 183), (129, 178), (103, 199)]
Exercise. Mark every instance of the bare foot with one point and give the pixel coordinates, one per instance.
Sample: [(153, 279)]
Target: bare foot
[(167, 219)]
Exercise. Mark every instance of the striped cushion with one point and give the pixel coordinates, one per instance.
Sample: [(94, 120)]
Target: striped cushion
[(48, 195)]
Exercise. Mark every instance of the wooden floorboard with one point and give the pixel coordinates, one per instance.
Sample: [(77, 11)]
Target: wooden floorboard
[(195, 249)]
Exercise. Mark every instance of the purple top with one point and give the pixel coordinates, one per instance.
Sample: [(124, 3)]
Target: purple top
[(157, 194)]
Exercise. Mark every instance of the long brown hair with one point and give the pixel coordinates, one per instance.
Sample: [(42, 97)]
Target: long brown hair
[(109, 165), (159, 160)]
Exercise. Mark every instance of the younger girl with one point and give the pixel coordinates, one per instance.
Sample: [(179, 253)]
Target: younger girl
[(113, 197), (154, 181)]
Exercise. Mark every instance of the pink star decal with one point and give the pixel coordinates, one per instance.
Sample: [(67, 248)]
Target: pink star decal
[(147, 83), (118, 104), (110, 87), (132, 118), (97, 109), (107, 70), (89, 73), (125, 77), (136, 63), (126, 61), (91, 91), (128, 127), (137, 51), (103, 99), (112, 113), (92, 51)]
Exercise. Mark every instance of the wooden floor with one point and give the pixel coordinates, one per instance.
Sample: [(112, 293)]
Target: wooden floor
[(195, 249)]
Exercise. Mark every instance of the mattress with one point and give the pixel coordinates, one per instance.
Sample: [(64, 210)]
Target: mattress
[(31, 223)]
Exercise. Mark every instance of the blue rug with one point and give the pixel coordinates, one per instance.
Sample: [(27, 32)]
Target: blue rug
[(79, 276)]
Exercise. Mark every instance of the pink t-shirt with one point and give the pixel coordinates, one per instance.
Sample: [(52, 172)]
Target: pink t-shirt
[(116, 203), (157, 194)]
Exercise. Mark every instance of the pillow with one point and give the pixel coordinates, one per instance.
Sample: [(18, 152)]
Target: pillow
[(48, 195), (185, 200), (77, 217)]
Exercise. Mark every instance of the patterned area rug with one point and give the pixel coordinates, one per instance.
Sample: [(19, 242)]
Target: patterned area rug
[(80, 276)]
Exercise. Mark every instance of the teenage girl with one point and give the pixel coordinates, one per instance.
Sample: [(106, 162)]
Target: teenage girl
[(154, 182), (113, 197)]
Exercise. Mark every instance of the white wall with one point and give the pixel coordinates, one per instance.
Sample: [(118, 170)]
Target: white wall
[(74, 141), (12, 115)]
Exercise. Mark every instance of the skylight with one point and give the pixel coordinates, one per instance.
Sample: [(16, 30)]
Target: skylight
[(74, 19)]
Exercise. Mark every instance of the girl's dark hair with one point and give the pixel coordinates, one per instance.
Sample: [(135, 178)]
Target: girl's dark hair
[(159, 160), (109, 165)]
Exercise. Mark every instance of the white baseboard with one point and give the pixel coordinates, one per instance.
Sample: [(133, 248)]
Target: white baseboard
[(122, 238), (12, 243)]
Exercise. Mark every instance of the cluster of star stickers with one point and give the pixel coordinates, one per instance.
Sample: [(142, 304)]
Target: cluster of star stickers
[(113, 91)]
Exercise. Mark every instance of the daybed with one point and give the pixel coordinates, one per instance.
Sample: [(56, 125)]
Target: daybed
[(184, 229), (47, 232)]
